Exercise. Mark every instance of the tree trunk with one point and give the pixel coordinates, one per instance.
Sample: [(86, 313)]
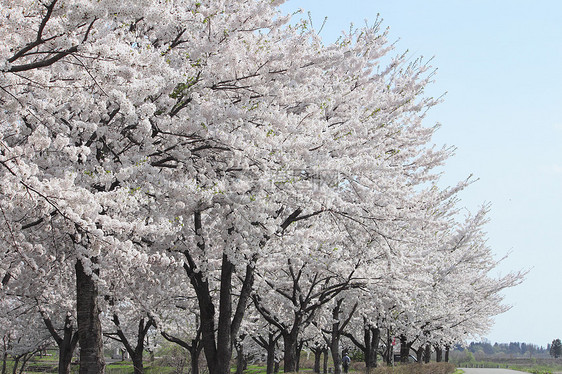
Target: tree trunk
[(16, 364), (240, 359), (218, 351), (194, 348), (25, 360), (300, 345), (136, 352), (89, 325), (336, 356), (367, 354), (335, 338), (372, 339), (138, 365), (66, 343), (427, 353), (269, 346), (325, 361), (65, 359), (419, 355), (317, 359), (206, 306), (270, 358), (389, 354), (290, 353), (404, 349), (195, 353), (4, 361), (447, 354), (438, 354), (224, 338), (67, 346)]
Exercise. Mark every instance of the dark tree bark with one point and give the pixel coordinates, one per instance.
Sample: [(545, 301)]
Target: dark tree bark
[(419, 354), (4, 362), (300, 346), (404, 349), (370, 344), (194, 348), (334, 342), (269, 345), (195, 354), (270, 368), (438, 353), (218, 349), (66, 343), (16, 363), (325, 371), (427, 353), (24, 358), (337, 331), (317, 358), (89, 324), (447, 354), (336, 355), (389, 352), (137, 351), (290, 352), (307, 301), (293, 347), (224, 328), (239, 360)]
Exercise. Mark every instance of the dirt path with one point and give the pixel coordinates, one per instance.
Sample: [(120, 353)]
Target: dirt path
[(488, 371)]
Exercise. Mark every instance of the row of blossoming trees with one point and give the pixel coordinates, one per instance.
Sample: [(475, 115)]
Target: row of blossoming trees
[(208, 173)]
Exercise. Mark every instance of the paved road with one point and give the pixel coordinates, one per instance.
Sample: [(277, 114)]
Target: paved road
[(489, 371)]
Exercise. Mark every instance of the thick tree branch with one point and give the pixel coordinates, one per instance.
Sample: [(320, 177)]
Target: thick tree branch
[(122, 338), (244, 296), (178, 341), (51, 328), (43, 63), (39, 40)]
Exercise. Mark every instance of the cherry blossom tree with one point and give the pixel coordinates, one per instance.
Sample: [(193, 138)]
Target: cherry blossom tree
[(184, 328), (458, 274), (22, 333)]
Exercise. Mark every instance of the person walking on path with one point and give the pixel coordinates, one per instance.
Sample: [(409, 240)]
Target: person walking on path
[(345, 362)]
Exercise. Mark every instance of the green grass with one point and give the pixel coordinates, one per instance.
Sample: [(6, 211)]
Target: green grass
[(538, 369), (531, 367), (484, 364), (255, 369), (123, 367)]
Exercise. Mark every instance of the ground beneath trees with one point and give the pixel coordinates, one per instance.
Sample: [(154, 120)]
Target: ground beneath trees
[(488, 371)]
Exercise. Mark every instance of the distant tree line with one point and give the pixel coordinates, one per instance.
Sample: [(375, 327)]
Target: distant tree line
[(555, 348), (512, 348)]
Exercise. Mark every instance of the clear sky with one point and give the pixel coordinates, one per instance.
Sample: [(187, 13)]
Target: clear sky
[(500, 62)]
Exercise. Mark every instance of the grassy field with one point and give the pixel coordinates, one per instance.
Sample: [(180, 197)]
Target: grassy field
[(528, 365), (48, 365)]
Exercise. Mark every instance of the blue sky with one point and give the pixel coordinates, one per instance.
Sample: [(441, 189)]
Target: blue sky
[(500, 62)]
